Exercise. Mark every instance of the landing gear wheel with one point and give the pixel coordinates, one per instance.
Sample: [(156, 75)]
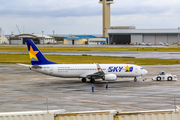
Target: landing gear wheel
[(83, 79), (103, 77), (92, 80), (169, 78), (158, 79), (135, 79)]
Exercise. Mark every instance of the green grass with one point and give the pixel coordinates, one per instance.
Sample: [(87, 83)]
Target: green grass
[(95, 49), (68, 59)]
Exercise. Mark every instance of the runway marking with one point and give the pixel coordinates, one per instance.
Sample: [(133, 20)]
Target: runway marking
[(105, 103), (109, 103)]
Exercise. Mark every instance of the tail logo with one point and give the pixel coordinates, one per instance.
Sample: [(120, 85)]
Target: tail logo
[(32, 54)]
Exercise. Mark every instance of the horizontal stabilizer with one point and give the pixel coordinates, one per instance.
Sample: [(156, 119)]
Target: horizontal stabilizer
[(24, 65)]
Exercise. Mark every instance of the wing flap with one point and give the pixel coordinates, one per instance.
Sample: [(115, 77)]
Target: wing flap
[(98, 74)]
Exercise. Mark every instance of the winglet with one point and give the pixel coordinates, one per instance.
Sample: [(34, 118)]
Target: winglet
[(99, 68)]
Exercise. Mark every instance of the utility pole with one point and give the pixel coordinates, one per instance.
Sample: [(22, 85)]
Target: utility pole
[(178, 36), (53, 37), (0, 32), (43, 37), (23, 29)]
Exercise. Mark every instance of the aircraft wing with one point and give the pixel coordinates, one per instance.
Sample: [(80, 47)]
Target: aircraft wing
[(99, 74), (95, 75)]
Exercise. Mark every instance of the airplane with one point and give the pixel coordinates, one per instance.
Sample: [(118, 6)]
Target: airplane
[(106, 72)]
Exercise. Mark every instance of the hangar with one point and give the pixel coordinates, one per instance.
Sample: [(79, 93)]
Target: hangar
[(37, 38), (138, 36)]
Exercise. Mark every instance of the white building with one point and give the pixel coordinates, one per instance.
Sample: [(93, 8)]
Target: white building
[(96, 41), (47, 39), (37, 38), (3, 39), (138, 36)]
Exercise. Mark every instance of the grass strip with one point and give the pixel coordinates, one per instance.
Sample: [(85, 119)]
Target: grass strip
[(74, 59), (94, 49)]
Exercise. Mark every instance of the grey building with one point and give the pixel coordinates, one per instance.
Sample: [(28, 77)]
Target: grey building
[(138, 36)]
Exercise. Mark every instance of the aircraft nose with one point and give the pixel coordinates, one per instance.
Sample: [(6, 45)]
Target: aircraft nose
[(145, 71)]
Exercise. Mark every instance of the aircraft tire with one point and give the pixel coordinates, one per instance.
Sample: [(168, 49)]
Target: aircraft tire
[(169, 78), (158, 79), (92, 80), (135, 79), (83, 79)]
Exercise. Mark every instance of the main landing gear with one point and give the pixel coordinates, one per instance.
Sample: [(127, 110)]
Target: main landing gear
[(83, 79), (135, 79), (92, 80)]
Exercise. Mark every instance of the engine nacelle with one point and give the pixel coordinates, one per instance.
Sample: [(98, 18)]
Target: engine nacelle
[(110, 77)]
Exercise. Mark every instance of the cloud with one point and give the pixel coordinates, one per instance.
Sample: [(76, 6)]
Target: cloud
[(85, 17), (56, 8), (151, 21), (61, 25), (50, 8)]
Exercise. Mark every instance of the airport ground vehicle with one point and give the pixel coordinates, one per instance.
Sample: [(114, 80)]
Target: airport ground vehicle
[(163, 76)]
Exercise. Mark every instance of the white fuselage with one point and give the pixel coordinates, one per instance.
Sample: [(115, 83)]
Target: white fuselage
[(82, 70)]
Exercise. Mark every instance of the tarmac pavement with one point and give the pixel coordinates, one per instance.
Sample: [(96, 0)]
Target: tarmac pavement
[(24, 90)]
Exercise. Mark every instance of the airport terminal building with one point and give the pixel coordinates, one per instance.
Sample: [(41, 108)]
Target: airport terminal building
[(139, 36)]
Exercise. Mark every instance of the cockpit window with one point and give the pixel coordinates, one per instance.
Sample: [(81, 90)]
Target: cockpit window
[(141, 68)]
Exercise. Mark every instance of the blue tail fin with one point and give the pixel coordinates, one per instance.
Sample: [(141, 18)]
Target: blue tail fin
[(36, 57)]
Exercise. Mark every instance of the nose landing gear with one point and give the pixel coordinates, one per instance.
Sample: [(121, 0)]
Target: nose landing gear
[(135, 79)]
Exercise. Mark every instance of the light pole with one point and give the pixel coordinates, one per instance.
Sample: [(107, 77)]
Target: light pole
[(53, 37), (178, 35), (42, 36)]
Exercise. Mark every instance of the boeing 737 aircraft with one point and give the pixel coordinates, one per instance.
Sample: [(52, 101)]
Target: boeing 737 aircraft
[(107, 72)]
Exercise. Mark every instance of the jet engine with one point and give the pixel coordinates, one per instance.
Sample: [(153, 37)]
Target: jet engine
[(112, 77)]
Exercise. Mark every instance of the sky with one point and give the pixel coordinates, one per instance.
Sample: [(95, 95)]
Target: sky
[(85, 16)]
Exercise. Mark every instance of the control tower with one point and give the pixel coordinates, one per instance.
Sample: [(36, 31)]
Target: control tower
[(106, 16)]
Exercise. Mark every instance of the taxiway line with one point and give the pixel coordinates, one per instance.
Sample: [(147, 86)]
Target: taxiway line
[(77, 99), (109, 103)]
